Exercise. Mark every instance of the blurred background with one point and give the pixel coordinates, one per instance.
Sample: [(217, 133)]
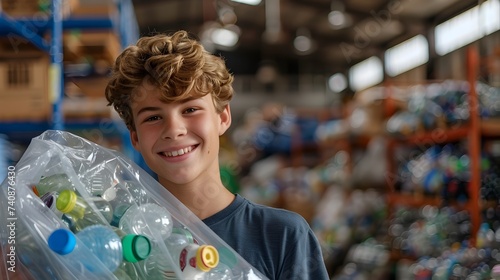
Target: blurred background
[(377, 121)]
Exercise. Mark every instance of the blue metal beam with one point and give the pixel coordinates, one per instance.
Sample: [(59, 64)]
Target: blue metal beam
[(28, 27), (28, 30), (56, 82)]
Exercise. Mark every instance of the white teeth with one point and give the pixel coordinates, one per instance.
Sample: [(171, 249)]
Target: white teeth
[(179, 152)]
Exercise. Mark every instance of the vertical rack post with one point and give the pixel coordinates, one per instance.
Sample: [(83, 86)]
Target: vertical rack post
[(474, 142), (56, 83)]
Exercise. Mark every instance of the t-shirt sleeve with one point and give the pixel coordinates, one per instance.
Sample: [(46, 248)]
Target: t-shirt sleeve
[(304, 260)]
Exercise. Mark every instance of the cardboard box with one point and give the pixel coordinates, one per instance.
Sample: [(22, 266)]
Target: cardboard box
[(88, 87), (92, 8), (101, 46), (13, 45), (24, 87)]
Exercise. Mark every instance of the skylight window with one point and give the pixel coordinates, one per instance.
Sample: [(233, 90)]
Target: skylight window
[(467, 27), (365, 74), (407, 55)]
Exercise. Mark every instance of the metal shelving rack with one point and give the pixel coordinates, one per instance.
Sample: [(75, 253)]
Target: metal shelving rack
[(34, 30)]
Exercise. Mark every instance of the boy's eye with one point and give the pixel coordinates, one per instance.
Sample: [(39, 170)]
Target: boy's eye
[(152, 118), (190, 110)]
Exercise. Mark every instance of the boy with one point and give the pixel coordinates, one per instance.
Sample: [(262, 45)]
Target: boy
[(174, 98)]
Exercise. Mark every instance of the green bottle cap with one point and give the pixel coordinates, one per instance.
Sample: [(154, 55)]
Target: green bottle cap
[(135, 247), (66, 201)]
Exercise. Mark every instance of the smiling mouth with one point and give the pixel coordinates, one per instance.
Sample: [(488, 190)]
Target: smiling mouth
[(179, 152)]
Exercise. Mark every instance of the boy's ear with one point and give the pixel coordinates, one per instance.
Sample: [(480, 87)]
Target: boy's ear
[(225, 119), (134, 139)]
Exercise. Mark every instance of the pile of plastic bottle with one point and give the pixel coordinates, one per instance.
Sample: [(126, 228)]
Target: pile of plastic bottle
[(436, 170), (122, 240), (87, 212), (431, 106)]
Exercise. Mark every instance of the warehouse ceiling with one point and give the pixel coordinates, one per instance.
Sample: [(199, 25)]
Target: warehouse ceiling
[(268, 30)]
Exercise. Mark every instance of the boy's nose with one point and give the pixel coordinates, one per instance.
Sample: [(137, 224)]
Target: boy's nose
[(174, 128)]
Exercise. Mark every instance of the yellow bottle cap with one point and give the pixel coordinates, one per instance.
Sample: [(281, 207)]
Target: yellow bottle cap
[(66, 201), (207, 257)]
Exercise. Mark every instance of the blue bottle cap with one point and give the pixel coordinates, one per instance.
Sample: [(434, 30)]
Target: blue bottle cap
[(62, 241)]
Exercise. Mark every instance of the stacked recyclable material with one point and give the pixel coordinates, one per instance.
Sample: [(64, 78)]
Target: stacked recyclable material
[(81, 211)]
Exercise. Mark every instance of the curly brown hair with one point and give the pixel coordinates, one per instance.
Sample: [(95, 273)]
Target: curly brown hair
[(176, 64)]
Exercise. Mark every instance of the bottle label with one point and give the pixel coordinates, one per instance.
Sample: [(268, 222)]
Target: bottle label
[(182, 259)]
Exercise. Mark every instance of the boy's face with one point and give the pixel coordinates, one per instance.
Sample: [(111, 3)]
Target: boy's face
[(179, 141)]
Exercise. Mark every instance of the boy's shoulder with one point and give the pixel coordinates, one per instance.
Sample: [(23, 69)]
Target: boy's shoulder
[(276, 217)]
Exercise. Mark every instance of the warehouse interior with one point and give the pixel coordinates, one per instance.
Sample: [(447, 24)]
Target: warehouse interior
[(377, 121)]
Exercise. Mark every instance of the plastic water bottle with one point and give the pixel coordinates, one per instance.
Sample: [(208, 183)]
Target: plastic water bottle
[(126, 192), (223, 271), (102, 241), (118, 212), (80, 212), (135, 247), (121, 196), (191, 260), (147, 219), (196, 260), (97, 179), (220, 272), (120, 199), (99, 183), (123, 274), (49, 199), (53, 183), (158, 266)]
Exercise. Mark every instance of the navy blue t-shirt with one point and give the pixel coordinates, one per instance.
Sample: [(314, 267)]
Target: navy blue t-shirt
[(278, 243)]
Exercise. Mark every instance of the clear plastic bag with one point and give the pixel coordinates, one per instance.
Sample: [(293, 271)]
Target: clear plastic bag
[(92, 171)]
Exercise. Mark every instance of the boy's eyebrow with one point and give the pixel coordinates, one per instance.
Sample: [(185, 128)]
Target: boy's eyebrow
[(145, 109)]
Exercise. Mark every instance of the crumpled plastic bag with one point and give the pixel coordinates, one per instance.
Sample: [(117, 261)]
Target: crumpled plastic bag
[(27, 221)]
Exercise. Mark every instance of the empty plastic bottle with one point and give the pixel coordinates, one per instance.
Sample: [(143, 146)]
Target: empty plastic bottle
[(227, 267), (158, 265), (147, 219), (99, 184), (196, 260), (120, 199), (126, 192), (123, 274), (80, 212), (97, 179), (122, 195), (135, 247), (102, 241), (49, 199), (53, 183), (189, 260), (220, 272)]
